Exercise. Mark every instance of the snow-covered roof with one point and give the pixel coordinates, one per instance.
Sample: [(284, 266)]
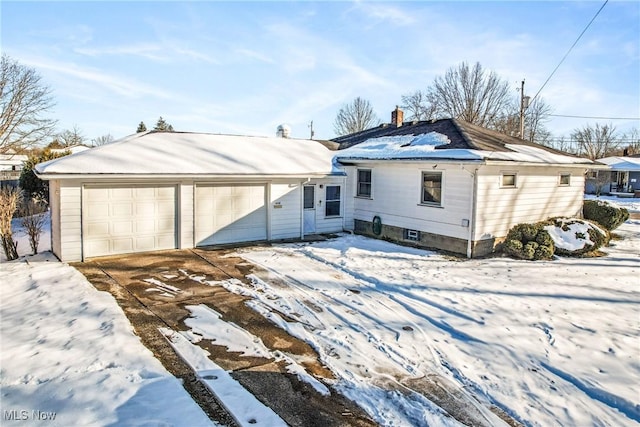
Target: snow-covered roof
[(73, 149), (432, 145), (622, 163), (183, 153)]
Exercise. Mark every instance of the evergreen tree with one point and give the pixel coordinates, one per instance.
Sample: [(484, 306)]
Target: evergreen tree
[(163, 126), (141, 127), (29, 182)]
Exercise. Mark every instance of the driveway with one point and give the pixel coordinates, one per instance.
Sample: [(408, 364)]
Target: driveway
[(155, 289)]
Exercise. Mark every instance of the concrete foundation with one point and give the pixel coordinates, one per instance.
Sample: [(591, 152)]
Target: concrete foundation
[(427, 240)]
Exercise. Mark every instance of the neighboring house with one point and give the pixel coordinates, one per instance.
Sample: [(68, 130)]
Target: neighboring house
[(10, 169), (451, 185), (166, 190), (623, 176)]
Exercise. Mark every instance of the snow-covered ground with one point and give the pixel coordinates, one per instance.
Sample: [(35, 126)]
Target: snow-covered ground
[(632, 204), (551, 343), (69, 356)]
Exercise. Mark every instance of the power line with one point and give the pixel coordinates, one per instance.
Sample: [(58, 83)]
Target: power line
[(570, 49), (594, 117)]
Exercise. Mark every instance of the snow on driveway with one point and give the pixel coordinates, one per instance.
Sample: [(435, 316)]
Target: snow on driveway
[(69, 356), (552, 343)]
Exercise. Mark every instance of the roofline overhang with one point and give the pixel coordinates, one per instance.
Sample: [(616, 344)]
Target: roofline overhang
[(164, 177), (345, 161), (558, 165)]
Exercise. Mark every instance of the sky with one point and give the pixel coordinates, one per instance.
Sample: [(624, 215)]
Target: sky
[(246, 67)]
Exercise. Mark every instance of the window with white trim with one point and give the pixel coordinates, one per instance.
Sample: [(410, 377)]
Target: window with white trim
[(564, 180), (508, 180), (364, 183), (332, 200), (431, 188)]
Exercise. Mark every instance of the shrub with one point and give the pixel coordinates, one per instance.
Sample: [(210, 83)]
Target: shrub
[(605, 214), (529, 241), (575, 237)]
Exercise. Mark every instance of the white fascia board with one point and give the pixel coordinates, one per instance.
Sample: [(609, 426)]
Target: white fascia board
[(156, 177)]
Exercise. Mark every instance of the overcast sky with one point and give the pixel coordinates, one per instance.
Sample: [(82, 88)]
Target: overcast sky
[(246, 67)]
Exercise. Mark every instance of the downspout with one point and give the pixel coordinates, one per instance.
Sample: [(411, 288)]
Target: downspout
[(472, 213)]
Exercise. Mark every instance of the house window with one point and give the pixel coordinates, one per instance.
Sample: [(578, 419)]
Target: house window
[(431, 188), (364, 183), (332, 200), (309, 196), (508, 180), (565, 179)]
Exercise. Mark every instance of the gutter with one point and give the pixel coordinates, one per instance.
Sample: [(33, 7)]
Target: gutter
[(161, 176)]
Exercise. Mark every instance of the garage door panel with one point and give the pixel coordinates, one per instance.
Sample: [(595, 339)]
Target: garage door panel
[(122, 209), (229, 214), (128, 219), (98, 229), (121, 193)]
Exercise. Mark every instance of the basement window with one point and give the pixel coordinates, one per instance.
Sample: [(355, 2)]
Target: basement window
[(413, 235)]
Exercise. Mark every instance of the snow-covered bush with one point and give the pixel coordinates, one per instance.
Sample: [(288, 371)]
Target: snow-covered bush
[(528, 241), (605, 214), (574, 237)]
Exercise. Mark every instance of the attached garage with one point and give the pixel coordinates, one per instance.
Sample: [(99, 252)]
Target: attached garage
[(164, 190), (230, 213), (125, 219)]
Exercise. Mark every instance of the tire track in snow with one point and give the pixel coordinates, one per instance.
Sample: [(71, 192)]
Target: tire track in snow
[(354, 312)]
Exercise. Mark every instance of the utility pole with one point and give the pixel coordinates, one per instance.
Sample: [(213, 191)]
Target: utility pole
[(524, 104), (311, 127)]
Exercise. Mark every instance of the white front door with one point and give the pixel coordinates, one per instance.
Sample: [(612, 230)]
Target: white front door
[(309, 209)]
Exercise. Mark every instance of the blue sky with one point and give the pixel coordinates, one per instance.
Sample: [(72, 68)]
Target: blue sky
[(246, 67)]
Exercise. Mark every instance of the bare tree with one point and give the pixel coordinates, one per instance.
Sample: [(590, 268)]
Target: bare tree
[(355, 117), (9, 197), (596, 142), (24, 100), (101, 140), (471, 94), (71, 137), (534, 119), (417, 106), (632, 142), (33, 220)]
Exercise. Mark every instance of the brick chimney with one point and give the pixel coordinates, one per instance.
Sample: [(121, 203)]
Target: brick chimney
[(397, 116)]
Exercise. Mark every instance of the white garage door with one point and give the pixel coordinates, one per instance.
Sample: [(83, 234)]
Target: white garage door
[(230, 214), (118, 220)]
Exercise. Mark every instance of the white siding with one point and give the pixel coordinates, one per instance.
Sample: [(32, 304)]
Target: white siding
[(396, 196), (185, 215), (349, 200), (54, 206), (285, 207), (70, 221), (537, 196)]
